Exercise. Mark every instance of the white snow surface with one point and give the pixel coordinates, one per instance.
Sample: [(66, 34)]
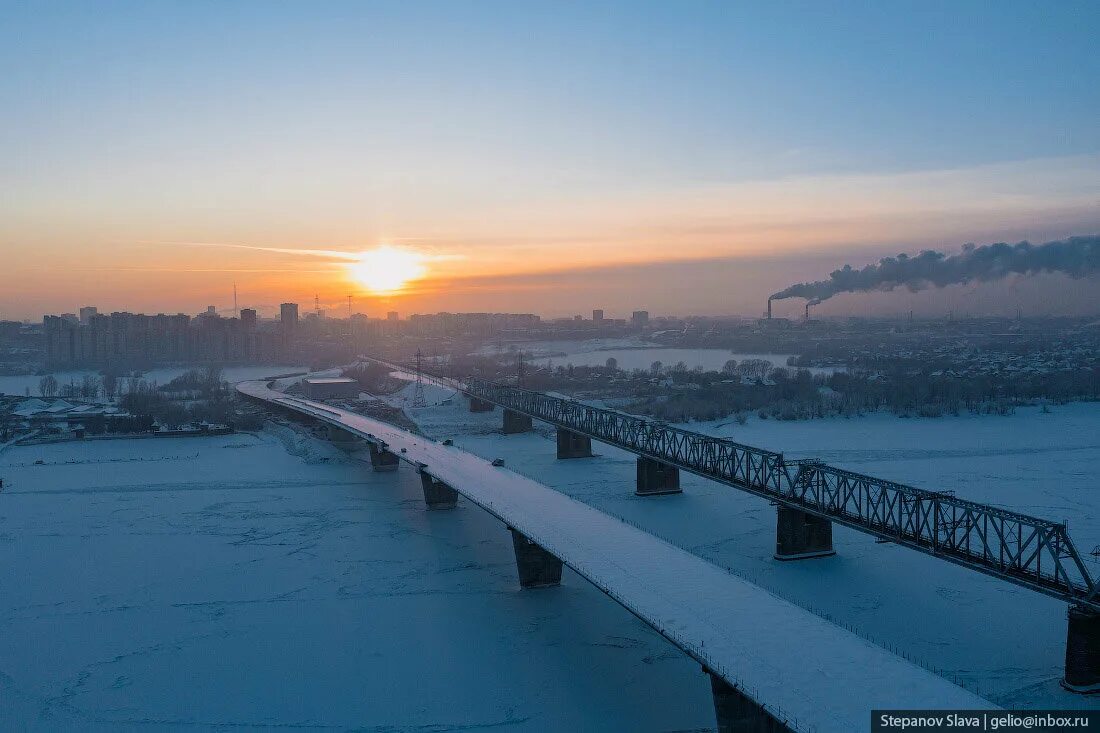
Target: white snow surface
[(220, 583), (816, 673)]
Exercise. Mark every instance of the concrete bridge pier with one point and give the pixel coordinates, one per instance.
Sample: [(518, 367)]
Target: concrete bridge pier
[(381, 459), (800, 536), (736, 713), (342, 439), (516, 422), (1082, 651), (537, 567), (573, 445), (437, 495), (656, 478), (477, 405)]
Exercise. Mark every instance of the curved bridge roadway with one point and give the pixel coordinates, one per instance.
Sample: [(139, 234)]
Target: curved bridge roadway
[(767, 657)]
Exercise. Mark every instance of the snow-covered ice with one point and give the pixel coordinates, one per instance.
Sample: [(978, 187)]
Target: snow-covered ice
[(218, 583)]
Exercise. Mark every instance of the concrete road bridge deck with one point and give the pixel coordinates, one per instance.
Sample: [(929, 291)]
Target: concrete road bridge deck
[(772, 665)]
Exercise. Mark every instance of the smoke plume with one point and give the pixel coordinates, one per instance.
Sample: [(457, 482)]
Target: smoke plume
[(1076, 257)]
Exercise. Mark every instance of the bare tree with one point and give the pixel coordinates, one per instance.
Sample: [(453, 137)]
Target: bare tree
[(47, 386), (89, 387), (110, 386), (755, 369), (730, 367)]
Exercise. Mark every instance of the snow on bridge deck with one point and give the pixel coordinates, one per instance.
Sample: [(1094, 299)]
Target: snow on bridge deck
[(800, 666)]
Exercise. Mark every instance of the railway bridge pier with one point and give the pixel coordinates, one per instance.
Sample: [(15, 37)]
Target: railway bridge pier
[(801, 536), (656, 478), (573, 445), (516, 422)]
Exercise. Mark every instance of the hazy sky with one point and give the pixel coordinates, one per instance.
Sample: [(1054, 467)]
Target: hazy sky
[(681, 157)]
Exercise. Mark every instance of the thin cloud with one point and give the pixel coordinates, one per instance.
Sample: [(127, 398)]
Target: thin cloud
[(335, 254), (329, 253)]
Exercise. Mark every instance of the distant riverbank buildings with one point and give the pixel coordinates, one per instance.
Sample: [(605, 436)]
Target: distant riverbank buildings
[(136, 339)]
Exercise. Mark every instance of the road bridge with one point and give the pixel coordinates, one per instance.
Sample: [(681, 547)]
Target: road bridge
[(772, 666), (811, 495)]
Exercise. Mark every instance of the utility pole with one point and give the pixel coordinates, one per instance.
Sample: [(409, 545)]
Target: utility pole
[(418, 391)]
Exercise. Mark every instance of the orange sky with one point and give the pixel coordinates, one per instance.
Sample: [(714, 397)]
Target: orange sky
[(495, 251)]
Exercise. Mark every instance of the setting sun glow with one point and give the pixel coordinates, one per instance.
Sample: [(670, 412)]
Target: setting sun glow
[(387, 269)]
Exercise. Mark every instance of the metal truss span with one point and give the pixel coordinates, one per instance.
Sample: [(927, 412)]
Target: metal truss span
[(1028, 551)]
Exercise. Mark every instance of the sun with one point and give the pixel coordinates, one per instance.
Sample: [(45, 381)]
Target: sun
[(387, 269)]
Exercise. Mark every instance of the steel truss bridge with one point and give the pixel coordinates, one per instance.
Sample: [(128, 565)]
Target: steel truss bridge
[(1028, 551)]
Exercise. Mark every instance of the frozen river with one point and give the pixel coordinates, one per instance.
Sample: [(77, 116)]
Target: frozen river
[(223, 583)]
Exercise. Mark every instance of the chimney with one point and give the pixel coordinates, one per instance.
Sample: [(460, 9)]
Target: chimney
[(769, 309), (807, 317)]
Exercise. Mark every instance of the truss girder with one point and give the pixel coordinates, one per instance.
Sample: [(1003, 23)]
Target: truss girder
[(1028, 551)]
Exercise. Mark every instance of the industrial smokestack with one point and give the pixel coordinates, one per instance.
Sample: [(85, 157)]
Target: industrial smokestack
[(807, 316), (769, 309), (1076, 257)]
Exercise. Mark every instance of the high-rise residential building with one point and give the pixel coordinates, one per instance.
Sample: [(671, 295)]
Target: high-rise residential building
[(87, 312), (136, 339), (288, 315), (288, 325), (211, 310), (597, 315), (392, 316), (640, 318)]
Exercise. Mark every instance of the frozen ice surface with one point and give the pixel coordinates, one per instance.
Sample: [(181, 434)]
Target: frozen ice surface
[(219, 583)]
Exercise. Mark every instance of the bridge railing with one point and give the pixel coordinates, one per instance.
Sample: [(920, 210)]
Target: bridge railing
[(1028, 551), (749, 467)]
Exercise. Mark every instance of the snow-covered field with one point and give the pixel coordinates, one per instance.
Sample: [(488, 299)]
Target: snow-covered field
[(272, 582), (1004, 641), (24, 384)]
